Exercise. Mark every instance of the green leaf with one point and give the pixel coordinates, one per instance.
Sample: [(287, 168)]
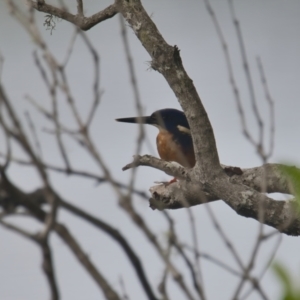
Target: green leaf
[(293, 176), (290, 292)]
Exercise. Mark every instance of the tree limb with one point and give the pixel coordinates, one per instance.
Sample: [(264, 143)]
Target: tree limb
[(282, 215), (84, 23)]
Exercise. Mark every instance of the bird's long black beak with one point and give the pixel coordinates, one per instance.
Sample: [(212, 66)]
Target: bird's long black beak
[(140, 120)]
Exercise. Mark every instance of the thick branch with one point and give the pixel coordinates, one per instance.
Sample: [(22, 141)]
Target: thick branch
[(282, 215), (247, 202), (241, 192), (84, 23), (255, 177), (178, 195), (251, 177)]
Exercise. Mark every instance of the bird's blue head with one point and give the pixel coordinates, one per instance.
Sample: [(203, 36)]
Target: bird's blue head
[(169, 119)]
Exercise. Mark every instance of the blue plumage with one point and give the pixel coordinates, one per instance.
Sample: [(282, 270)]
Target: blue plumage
[(174, 141)]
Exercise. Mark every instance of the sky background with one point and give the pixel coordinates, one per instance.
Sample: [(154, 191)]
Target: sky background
[(271, 30)]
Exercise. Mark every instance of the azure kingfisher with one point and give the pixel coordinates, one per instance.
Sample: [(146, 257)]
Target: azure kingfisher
[(174, 141)]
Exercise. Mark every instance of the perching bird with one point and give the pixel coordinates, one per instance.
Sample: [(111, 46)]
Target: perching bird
[(174, 140)]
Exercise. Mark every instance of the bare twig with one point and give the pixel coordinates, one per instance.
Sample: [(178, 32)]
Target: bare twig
[(174, 241), (137, 99), (271, 107), (84, 23), (118, 237), (1, 65), (230, 73), (248, 75), (74, 246), (193, 226), (47, 256), (124, 292), (267, 265), (214, 260), (96, 88), (34, 134), (80, 8), (225, 238)]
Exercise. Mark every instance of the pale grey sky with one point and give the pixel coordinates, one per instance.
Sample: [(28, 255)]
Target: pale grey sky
[(271, 30)]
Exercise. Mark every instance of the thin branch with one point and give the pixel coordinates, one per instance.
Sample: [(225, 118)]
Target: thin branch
[(1, 65), (137, 99), (49, 269), (196, 247), (169, 168), (80, 8), (20, 136), (225, 238), (118, 237), (86, 174), (124, 292), (74, 246), (70, 47), (173, 241), (20, 231), (96, 88), (271, 107), (232, 80), (34, 134), (267, 265), (142, 225), (214, 260), (248, 76), (47, 256)]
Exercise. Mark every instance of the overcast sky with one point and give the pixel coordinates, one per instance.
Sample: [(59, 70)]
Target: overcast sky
[(271, 30)]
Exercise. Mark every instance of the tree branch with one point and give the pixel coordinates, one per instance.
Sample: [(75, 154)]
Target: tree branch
[(251, 177), (247, 202), (170, 168), (271, 173), (84, 23), (240, 192), (49, 269)]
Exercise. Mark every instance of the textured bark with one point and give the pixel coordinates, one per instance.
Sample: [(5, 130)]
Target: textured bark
[(84, 23)]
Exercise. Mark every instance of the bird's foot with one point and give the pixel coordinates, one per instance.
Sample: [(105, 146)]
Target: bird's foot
[(166, 183)]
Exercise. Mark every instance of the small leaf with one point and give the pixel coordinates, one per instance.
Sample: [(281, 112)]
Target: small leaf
[(291, 292), (293, 176)]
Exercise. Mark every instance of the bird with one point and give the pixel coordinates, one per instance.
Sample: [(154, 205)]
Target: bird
[(174, 140)]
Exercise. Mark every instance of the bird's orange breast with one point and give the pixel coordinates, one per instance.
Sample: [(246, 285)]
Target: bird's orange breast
[(170, 150)]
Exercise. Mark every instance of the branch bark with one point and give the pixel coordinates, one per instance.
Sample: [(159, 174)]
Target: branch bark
[(79, 20), (242, 192)]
